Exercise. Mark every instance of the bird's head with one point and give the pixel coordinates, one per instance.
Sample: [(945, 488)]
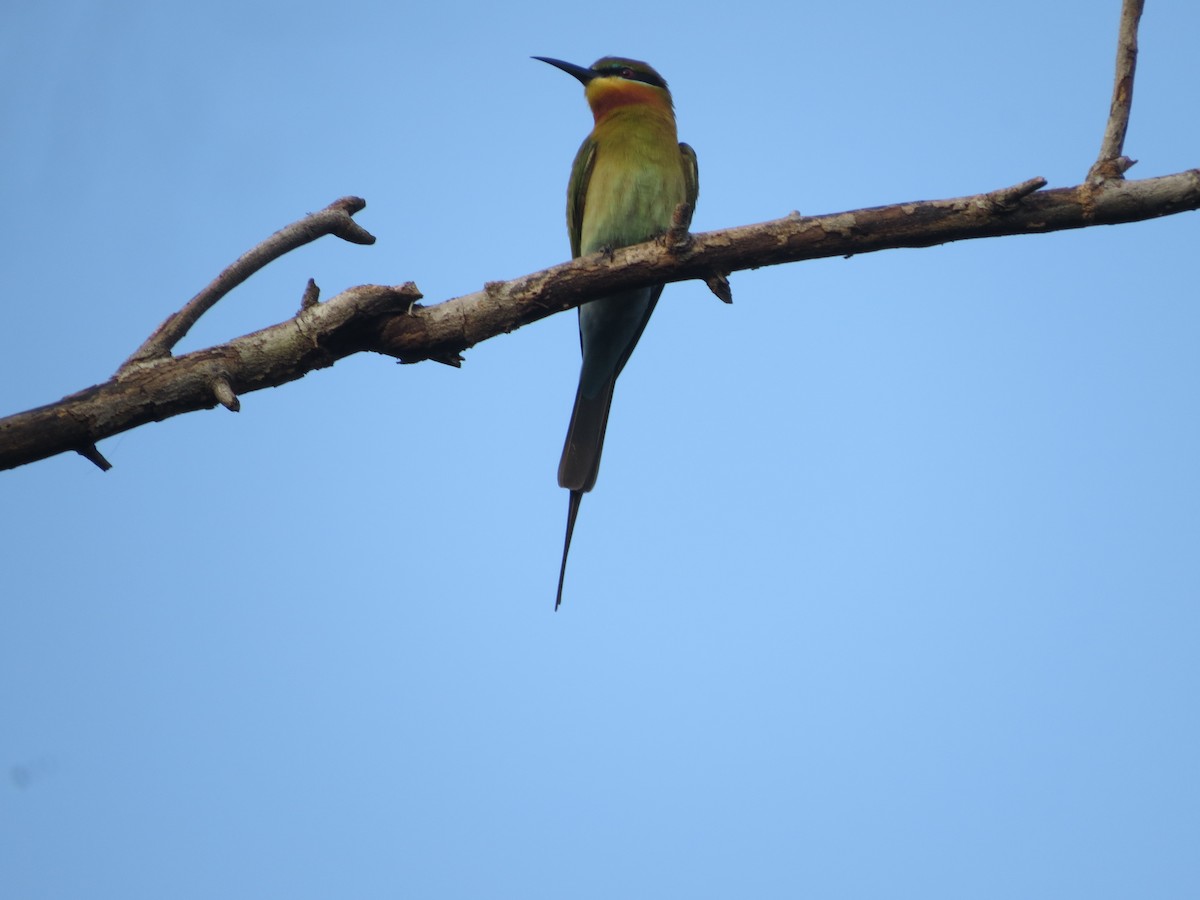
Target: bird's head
[(613, 82)]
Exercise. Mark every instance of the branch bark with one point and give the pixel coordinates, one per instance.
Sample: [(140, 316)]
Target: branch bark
[(388, 320), (1110, 163), (158, 389)]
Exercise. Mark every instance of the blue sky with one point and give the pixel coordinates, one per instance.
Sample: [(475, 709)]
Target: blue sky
[(889, 586)]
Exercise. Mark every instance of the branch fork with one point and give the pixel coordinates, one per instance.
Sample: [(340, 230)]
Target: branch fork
[(336, 219)]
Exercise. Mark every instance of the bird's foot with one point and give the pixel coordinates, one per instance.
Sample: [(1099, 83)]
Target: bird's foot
[(677, 238)]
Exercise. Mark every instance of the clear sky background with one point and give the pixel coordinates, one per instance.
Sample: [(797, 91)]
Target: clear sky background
[(889, 586)]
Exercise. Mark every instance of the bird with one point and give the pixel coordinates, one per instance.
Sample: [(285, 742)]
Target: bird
[(631, 181)]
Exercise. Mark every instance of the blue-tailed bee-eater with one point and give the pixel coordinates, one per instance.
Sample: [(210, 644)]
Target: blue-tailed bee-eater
[(629, 177)]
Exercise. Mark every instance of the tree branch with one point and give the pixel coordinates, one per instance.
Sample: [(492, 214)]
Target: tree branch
[(1110, 163), (160, 388), (448, 328), (388, 320), (334, 219)]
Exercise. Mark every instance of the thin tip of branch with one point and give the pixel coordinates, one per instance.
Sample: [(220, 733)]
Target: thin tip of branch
[(719, 285), (311, 295), (223, 391), (350, 204), (344, 226), (1009, 198), (93, 455), (351, 231)]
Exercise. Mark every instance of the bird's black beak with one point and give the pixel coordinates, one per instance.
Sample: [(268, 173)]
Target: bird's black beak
[(583, 73)]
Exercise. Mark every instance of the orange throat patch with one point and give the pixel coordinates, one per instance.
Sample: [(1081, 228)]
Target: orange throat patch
[(604, 95)]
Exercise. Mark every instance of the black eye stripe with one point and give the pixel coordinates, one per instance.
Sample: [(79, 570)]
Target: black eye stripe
[(619, 71)]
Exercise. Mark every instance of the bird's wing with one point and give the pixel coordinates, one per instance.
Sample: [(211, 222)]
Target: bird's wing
[(691, 175), (577, 188)]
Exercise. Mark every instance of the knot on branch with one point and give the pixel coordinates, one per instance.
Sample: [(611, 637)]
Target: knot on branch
[(94, 456), (311, 296), (1007, 200), (223, 391), (1109, 170)]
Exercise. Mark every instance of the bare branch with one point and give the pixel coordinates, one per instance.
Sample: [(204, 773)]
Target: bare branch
[(161, 388), (388, 320), (1111, 164), (334, 219)]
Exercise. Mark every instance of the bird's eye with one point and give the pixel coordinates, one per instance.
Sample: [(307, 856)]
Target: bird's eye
[(627, 72)]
